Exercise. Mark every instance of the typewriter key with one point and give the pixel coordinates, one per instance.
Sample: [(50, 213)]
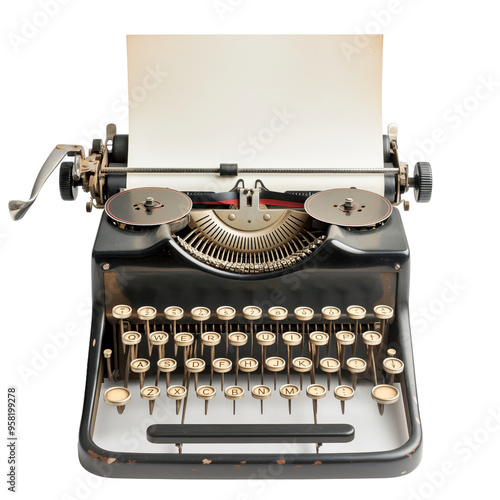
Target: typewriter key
[(177, 393), (264, 339), (384, 314), (140, 366), (107, 356), (196, 366), (275, 364), (252, 313), (315, 392), (211, 339), (147, 314), (385, 395), (234, 393), (344, 338), (165, 365), (248, 365), (371, 340), (277, 314), (159, 338), (290, 339), (343, 393), (122, 312), (331, 314), (393, 366), (355, 366), (302, 365), (303, 314), (117, 396), (317, 339), (226, 314), (289, 392), (329, 366), (174, 314), (356, 313), (261, 392), (222, 365), (150, 393), (206, 392), (237, 339)]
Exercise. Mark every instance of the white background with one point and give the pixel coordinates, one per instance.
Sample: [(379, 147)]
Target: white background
[(70, 78)]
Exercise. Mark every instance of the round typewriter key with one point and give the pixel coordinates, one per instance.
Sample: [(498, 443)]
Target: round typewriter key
[(248, 365), (195, 365), (344, 338), (383, 312), (165, 365), (393, 366), (226, 314), (117, 396), (159, 339), (122, 312), (261, 392), (302, 365), (329, 366), (234, 392), (174, 313), (277, 313), (222, 365), (140, 366), (200, 313), (355, 366), (206, 393), (331, 314), (177, 393), (184, 339), (304, 313), (343, 393), (132, 339), (315, 391), (372, 338), (289, 392), (356, 313), (385, 394), (252, 313), (151, 394), (146, 313)]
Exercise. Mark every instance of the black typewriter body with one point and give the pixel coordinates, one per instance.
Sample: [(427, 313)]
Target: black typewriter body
[(349, 267)]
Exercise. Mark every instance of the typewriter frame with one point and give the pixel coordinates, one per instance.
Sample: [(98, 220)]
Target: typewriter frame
[(380, 250)]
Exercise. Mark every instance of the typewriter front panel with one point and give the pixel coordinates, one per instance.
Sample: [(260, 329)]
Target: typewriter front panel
[(267, 352)]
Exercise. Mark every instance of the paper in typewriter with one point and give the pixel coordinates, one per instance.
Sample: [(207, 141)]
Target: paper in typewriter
[(281, 101)]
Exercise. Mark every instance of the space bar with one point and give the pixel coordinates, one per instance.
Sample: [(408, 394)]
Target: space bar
[(250, 433)]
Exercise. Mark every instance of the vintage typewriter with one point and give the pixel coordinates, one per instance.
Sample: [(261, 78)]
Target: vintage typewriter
[(246, 331)]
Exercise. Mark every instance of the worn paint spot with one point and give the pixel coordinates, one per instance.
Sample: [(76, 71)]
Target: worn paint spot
[(281, 462), (297, 466), (193, 470), (418, 421), (403, 473), (237, 466), (131, 462), (93, 343), (408, 455), (93, 455), (318, 462), (206, 461), (111, 460), (243, 462)]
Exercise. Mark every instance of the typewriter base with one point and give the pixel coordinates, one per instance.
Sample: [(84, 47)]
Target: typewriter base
[(142, 254)]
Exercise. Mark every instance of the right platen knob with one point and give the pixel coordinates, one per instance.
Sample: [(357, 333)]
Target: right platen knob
[(422, 179)]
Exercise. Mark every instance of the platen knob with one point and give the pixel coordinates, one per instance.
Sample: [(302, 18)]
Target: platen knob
[(67, 185), (422, 179)]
